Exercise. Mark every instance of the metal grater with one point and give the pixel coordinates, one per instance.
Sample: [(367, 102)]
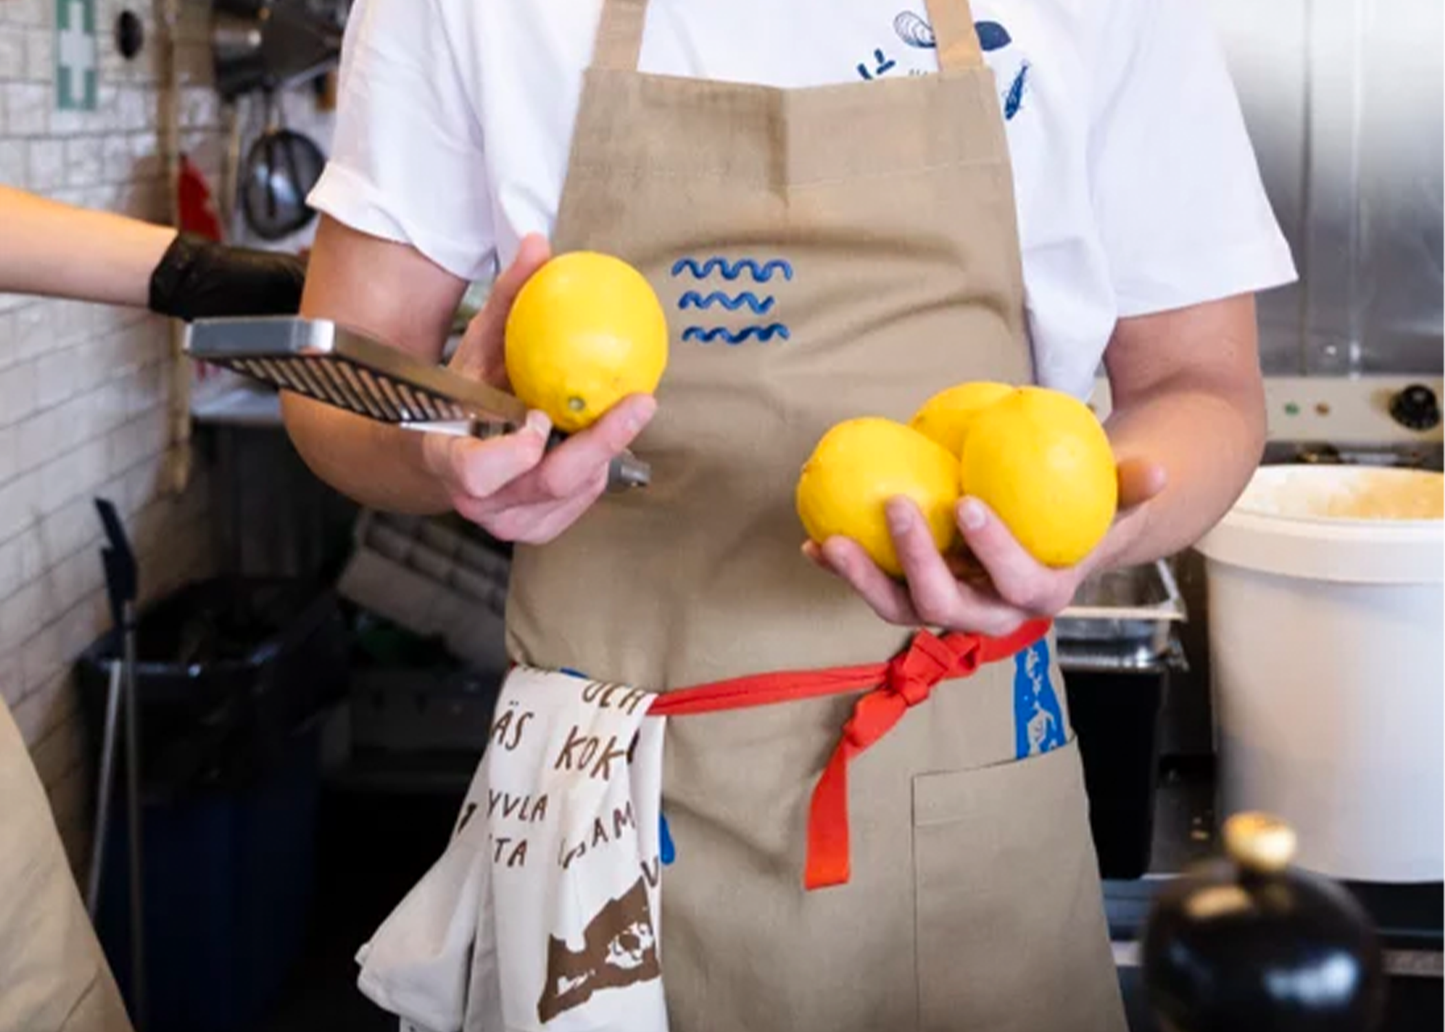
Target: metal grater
[(337, 366)]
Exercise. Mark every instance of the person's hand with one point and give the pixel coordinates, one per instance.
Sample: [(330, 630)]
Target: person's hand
[(198, 278), (1003, 588), (511, 486)]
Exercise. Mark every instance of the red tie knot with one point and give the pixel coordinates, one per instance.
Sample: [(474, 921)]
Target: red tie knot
[(927, 661)]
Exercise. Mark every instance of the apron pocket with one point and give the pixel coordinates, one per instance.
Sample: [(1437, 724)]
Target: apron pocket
[(1010, 931)]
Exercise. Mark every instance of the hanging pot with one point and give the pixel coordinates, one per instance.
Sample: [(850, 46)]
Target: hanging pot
[(280, 170), (269, 45)]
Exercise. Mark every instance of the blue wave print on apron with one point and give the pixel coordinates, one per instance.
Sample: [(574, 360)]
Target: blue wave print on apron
[(759, 271), (1038, 718)]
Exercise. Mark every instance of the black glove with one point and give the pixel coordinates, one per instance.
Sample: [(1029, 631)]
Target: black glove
[(198, 278)]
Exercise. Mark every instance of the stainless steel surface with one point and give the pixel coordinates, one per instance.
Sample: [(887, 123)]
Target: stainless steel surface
[(331, 364), (1426, 455), (239, 403), (1124, 621), (1353, 410), (1123, 657), (1343, 100), (1134, 606), (104, 791), (1267, 50)]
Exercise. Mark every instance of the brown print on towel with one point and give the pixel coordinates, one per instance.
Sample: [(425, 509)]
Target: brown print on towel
[(619, 949)]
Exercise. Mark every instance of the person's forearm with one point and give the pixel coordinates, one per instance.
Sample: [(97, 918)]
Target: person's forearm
[(398, 297), (375, 465), (1209, 442), (43, 242)]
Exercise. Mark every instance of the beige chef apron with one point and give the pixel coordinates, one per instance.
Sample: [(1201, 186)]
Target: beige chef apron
[(823, 253), (53, 975)]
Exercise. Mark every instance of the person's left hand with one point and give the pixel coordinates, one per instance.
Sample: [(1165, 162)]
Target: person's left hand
[(1006, 589)]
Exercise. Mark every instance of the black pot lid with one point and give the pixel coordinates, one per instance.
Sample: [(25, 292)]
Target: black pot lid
[(1250, 942)]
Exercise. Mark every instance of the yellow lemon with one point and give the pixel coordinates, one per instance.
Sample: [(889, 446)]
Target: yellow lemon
[(1041, 461), (584, 332), (946, 416), (862, 463)]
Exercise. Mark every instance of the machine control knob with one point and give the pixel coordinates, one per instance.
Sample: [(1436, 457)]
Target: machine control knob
[(1416, 407)]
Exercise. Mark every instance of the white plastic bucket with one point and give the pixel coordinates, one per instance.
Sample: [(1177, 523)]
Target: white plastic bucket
[(1325, 636)]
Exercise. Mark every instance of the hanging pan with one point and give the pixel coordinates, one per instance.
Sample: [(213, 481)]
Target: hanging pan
[(279, 171)]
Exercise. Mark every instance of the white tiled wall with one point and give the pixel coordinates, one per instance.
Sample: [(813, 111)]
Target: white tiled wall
[(84, 390)]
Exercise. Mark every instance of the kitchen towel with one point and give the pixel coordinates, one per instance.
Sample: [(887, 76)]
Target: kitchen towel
[(543, 911)]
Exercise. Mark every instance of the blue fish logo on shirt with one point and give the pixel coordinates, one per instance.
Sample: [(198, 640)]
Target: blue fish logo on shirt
[(915, 31), (1038, 718)]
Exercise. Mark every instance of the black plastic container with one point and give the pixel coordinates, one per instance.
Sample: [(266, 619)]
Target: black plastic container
[(227, 669), (231, 676), (230, 884), (1116, 717)]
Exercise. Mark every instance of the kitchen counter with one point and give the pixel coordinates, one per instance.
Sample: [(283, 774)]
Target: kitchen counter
[(237, 403)]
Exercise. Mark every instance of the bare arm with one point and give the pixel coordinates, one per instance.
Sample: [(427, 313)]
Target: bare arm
[(61, 251), (506, 484), (1188, 398), (58, 250), (396, 295), (1188, 429)]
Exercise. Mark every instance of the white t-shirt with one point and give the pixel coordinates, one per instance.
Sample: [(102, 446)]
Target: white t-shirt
[(1136, 183)]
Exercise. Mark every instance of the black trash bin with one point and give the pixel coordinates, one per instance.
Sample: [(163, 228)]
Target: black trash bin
[(232, 677)]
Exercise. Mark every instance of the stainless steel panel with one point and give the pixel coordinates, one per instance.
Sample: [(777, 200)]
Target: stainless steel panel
[(1398, 287), (1123, 619), (1344, 103), (1266, 46)]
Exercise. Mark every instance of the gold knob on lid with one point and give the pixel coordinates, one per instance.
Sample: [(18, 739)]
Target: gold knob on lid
[(1259, 842)]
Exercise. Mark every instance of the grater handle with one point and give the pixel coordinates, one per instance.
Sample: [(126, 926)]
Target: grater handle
[(626, 471)]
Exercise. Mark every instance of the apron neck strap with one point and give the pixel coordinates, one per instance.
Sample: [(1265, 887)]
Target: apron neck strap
[(619, 34), (954, 34)]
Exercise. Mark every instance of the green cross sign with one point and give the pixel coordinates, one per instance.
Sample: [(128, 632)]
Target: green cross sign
[(76, 55)]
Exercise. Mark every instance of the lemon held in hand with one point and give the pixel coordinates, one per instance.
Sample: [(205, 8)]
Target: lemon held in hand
[(947, 415), (1040, 460), (862, 463), (585, 331)]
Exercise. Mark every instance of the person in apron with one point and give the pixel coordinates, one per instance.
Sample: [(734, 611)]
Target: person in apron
[(53, 975), (873, 226)]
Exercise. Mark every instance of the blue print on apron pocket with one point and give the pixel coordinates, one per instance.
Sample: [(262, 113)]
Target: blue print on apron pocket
[(1038, 719), (758, 271), (666, 850)]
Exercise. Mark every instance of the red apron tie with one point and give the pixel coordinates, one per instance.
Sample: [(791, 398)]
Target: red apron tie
[(904, 681)]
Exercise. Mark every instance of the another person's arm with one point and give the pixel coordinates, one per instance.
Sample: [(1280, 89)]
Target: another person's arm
[(58, 250)]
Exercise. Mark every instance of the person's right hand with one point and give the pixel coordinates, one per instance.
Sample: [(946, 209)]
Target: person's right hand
[(511, 486)]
